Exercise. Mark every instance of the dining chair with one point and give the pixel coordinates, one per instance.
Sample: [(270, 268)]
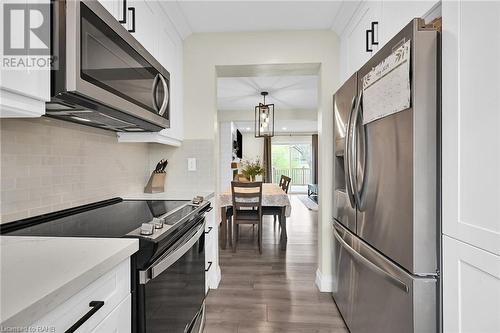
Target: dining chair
[(247, 208), (285, 185)]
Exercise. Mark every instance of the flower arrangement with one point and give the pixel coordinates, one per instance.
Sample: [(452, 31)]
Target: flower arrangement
[(252, 168)]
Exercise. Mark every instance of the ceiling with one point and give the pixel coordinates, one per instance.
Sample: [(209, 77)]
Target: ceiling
[(234, 16), (289, 92)]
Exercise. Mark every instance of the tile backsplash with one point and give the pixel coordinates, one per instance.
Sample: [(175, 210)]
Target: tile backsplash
[(49, 165), (179, 178)]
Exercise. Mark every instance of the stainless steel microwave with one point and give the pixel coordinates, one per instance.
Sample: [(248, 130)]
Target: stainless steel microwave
[(102, 76)]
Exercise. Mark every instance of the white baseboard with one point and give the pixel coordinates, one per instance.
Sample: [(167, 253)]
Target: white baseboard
[(323, 282)]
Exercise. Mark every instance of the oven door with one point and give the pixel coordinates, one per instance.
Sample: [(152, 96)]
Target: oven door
[(105, 63), (171, 292)]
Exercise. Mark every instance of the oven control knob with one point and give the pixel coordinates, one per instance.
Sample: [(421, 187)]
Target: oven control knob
[(158, 223), (147, 229)]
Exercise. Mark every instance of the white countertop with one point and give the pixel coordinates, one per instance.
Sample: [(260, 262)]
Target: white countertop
[(39, 273), (170, 195)]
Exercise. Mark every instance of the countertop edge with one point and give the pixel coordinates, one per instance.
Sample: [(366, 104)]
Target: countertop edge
[(49, 302)]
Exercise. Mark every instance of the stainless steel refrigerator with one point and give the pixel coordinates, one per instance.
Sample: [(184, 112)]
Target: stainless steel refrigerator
[(386, 190)]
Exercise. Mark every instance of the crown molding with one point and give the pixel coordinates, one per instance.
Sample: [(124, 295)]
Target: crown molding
[(344, 16), (176, 15)]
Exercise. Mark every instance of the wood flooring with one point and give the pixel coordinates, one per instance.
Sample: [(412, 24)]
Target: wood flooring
[(273, 292)]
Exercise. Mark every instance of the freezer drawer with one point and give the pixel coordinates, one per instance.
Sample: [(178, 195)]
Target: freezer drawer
[(374, 295)]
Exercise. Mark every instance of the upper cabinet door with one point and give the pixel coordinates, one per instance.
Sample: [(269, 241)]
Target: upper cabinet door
[(143, 24), (397, 14), (471, 123), (355, 43), (25, 76), (113, 6)]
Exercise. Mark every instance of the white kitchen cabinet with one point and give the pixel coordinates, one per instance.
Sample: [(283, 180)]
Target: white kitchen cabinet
[(471, 123), (116, 320), (471, 289), (471, 166), (115, 7), (146, 25), (113, 288), (25, 89), (212, 277), (392, 16), (395, 15), (353, 40), (162, 40)]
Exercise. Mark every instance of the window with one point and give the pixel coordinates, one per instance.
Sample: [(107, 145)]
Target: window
[(292, 160)]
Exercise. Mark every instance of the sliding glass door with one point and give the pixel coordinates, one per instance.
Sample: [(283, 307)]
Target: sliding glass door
[(293, 160)]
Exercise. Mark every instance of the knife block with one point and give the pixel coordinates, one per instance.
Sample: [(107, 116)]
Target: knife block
[(156, 183)]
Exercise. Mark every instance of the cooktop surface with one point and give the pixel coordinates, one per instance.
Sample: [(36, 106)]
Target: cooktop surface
[(113, 220)]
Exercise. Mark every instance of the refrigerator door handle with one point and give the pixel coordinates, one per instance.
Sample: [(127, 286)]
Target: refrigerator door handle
[(353, 151), (387, 276), (347, 164)]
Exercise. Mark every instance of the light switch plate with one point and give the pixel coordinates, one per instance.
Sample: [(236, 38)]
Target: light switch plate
[(191, 164)]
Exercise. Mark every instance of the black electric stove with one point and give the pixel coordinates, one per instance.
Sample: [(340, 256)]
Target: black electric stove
[(168, 271), (115, 218)]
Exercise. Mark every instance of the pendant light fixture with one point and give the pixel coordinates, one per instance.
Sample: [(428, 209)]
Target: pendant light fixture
[(264, 118)]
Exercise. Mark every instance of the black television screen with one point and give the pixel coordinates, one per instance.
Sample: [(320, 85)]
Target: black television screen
[(239, 141)]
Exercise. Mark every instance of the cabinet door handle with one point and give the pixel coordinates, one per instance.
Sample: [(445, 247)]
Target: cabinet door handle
[(209, 265), (374, 24), (124, 11), (368, 39), (209, 229), (132, 9), (95, 305)]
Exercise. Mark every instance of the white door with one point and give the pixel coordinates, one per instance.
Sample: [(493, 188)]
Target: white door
[(471, 289)]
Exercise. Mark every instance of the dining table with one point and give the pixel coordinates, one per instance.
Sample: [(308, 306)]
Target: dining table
[(274, 202)]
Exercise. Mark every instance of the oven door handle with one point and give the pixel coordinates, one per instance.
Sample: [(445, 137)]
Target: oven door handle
[(160, 266)]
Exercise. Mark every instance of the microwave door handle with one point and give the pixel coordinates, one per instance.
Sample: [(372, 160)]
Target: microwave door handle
[(153, 92), (354, 151), (347, 164), (160, 266), (373, 267), (164, 105)]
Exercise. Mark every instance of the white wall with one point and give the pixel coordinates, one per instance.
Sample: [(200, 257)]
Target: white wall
[(204, 51), (252, 147), (226, 130)]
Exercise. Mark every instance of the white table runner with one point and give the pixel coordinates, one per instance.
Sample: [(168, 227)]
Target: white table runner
[(272, 195)]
